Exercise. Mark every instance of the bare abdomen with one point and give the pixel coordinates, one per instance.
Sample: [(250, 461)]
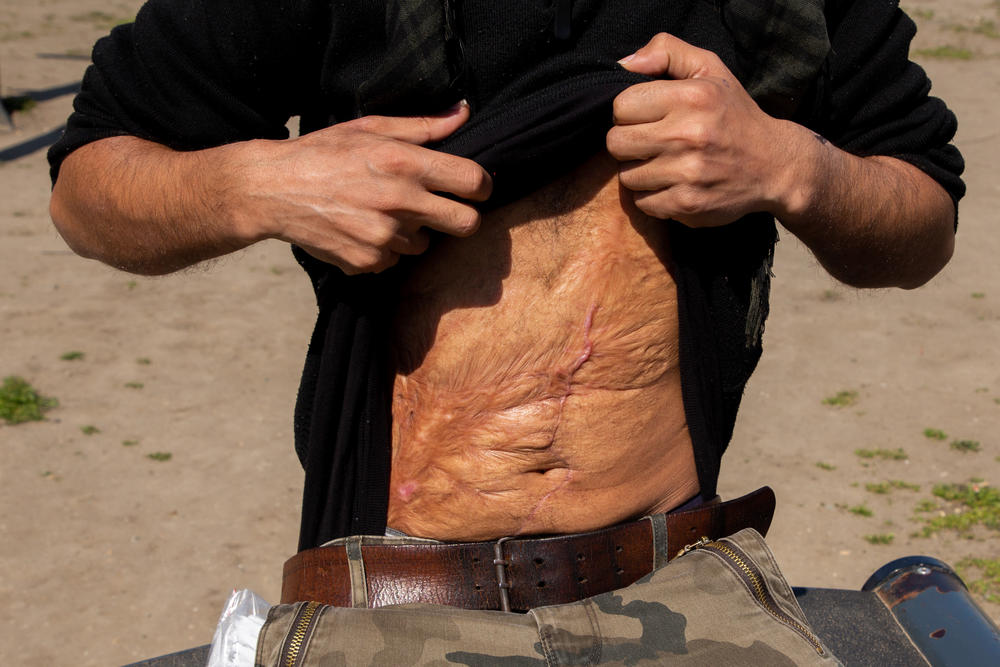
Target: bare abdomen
[(537, 388)]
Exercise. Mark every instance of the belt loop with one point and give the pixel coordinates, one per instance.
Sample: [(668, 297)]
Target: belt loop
[(356, 565), (501, 564), (661, 552)]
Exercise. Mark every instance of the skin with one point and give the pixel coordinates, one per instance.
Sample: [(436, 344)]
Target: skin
[(504, 431)]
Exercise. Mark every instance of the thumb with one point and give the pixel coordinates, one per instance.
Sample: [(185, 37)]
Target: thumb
[(671, 57), (416, 129)]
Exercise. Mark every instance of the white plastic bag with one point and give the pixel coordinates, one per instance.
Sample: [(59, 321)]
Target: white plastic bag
[(235, 641)]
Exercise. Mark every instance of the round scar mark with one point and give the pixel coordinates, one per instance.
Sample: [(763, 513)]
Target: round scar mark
[(406, 490)]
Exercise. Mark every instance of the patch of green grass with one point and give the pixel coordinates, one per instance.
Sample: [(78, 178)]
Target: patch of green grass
[(89, 429), (861, 510), (965, 445), (886, 487), (978, 295), (884, 538), (143, 361), (884, 454), (825, 466), (20, 402), (134, 385), (946, 52), (989, 570), (160, 456), (131, 284), (926, 14), (935, 434), (965, 506), (985, 27), (842, 399), (129, 443), (72, 355)]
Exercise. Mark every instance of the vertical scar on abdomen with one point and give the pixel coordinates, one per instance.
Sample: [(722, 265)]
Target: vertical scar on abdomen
[(585, 354)]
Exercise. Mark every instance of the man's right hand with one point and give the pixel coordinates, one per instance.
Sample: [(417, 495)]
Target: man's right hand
[(361, 193), (357, 195)]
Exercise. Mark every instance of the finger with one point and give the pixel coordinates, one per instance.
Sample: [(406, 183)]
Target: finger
[(643, 103), (643, 176), (668, 56), (455, 175), (445, 215), (633, 142), (414, 129)]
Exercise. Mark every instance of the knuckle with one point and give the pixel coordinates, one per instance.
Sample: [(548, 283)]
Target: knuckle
[(466, 221)]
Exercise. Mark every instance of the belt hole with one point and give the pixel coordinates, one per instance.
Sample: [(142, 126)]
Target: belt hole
[(475, 559), (581, 557), (478, 587), (541, 584), (618, 549), (539, 561), (619, 571), (582, 580)]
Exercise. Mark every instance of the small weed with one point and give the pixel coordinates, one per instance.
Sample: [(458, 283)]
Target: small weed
[(886, 487), (825, 466), (20, 402), (978, 295), (984, 27), (129, 443), (965, 445), (982, 390), (966, 506), (885, 538), (73, 355), (926, 14), (131, 284), (884, 454), (89, 429), (830, 295), (143, 361), (160, 456), (861, 510), (926, 505), (842, 399), (989, 585), (134, 385), (946, 52), (935, 434)]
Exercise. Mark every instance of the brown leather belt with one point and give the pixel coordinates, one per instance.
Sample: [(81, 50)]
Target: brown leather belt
[(512, 573)]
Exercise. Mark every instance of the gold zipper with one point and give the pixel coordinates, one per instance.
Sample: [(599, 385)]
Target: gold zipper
[(752, 578), (298, 633)]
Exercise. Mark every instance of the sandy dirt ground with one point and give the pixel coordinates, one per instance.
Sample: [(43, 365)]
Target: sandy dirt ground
[(110, 554)]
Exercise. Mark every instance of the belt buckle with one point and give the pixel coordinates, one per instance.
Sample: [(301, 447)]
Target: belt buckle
[(501, 563)]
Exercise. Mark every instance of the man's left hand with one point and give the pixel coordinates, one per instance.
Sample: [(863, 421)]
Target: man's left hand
[(694, 146)]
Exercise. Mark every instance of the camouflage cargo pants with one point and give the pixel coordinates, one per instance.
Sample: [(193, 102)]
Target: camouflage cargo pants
[(723, 603)]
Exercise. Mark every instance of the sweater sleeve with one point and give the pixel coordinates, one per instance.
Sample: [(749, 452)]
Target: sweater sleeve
[(193, 74), (872, 100)]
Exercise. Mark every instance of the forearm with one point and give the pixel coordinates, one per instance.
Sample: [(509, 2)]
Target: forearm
[(871, 222), (144, 208)]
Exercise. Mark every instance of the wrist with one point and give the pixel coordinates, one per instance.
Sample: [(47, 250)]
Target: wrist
[(800, 180), (236, 174)]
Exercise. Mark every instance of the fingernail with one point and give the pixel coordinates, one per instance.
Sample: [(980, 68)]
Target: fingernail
[(626, 59), (457, 107)]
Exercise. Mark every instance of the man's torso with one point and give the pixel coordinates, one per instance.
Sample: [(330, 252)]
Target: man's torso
[(537, 387)]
